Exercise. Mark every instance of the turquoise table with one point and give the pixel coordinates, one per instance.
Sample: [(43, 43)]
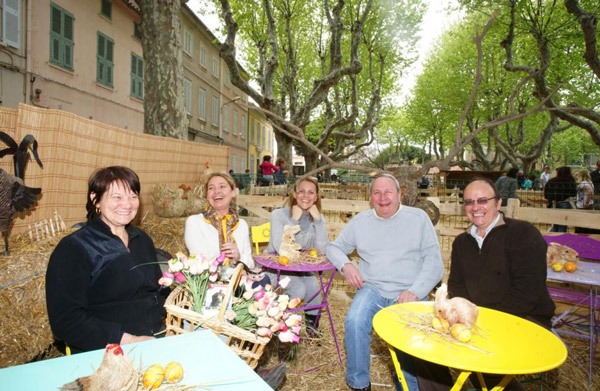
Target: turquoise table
[(204, 357)]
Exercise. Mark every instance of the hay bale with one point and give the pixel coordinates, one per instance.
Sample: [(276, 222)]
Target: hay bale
[(24, 322)]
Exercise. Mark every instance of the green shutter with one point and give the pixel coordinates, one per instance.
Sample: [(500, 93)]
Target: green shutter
[(104, 60), (106, 8), (61, 37)]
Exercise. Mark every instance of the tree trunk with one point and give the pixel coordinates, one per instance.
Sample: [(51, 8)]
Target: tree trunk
[(284, 148), (164, 106)]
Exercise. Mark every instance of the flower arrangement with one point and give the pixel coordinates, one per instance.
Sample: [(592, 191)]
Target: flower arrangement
[(265, 311), (193, 273)]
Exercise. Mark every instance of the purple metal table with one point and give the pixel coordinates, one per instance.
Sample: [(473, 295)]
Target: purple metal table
[(588, 274), (318, 265)]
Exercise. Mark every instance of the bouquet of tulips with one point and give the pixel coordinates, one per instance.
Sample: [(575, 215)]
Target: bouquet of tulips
[(265, 311), (193, 273)]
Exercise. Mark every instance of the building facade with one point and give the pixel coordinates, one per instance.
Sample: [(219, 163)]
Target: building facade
[(83, 57), (260, 138)]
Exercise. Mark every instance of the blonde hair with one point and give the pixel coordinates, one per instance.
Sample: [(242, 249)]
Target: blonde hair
[(227, 178), (584, 175), (291, 201)]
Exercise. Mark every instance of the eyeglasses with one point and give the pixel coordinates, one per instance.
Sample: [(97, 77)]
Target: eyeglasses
[(480, 201)]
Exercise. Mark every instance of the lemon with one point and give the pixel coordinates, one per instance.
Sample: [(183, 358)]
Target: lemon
[(557, 266), (313, 253), (153, 377), (283, 260), (461, 332), (173, 372)]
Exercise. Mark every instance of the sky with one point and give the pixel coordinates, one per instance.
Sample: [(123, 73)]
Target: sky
[(435, 22)]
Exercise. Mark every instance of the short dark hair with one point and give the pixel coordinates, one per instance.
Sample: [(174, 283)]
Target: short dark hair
[(486, 180), (267, 158), (513, 172), (100, 182)]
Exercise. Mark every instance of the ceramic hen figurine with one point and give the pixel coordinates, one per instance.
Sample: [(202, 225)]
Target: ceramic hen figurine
[(455, 310), (116, 373)]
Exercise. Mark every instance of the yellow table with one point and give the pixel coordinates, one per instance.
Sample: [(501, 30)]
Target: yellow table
[(504, 344)]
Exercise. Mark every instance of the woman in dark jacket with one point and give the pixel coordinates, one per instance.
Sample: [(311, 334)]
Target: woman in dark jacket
[(97, 290), (558, 191)]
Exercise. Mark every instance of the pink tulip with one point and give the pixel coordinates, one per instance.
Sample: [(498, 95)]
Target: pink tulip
[(296, 330), (230, 314), (259, 295), (264, 332), (175, 265), (294, 303), (181, 256), (214, 266), (273, 311), (287, 336), (164, 281), (180, 278), (221, 258), (285, 281), (213, 277), (263, 321)]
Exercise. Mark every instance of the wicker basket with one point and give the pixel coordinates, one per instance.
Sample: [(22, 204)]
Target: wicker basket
[(244, 343)]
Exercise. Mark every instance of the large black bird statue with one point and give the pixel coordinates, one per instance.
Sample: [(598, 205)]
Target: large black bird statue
[(14, 195)]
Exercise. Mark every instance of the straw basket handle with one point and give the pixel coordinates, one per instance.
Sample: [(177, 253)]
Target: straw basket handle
[(233, 283)]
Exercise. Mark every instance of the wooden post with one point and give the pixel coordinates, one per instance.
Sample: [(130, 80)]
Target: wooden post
[(512, 209)]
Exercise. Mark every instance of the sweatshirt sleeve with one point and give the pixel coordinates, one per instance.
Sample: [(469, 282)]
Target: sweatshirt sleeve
[(432, 270), (67, 283), (322, 237), (338, 250)]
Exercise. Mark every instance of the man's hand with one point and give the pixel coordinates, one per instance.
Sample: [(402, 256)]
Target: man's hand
[(406, 296), (296, 212), (314, 212), (129, 338), (353, 276)]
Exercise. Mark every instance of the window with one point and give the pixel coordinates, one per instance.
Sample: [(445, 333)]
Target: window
[(202, 104), (106, 8), (234, 124), (252, 131), (227, 77), (226, 118), (264, 135), (187, 92), (243, 127), (216, 67), (187, 41), (234, 163), (203, 55), (137, 33), (215, 111), (243, 163), (61, 37), (258, 134), (11, 23), (104, 60), (137, 76)]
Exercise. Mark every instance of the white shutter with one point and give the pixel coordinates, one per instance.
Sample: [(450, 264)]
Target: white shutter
[(11, 29)]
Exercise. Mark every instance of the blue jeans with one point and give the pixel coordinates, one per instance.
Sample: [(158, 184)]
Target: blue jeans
[(359, 325), (561, 205)]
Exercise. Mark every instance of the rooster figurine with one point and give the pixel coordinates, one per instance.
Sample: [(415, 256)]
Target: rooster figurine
[(116, 373), (14, 195), (455, 310)]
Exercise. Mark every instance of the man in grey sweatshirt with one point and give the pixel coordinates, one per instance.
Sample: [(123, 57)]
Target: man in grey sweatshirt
[(400, 261)]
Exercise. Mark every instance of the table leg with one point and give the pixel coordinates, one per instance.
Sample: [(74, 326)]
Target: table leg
[(460, 381), (398, 369), (499, 387)]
